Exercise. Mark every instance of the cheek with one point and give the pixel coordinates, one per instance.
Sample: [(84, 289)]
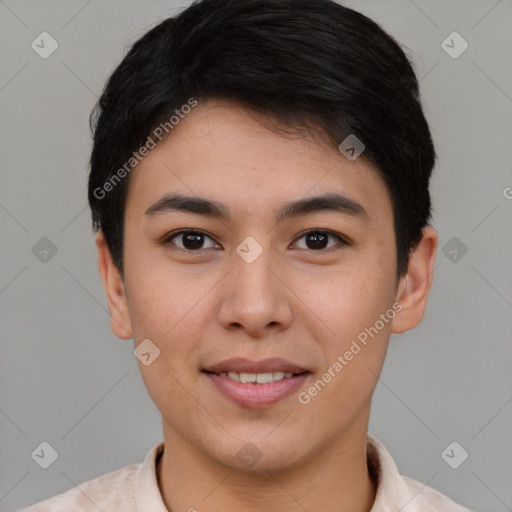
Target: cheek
[(349, 299), (354, 349), (173, 310), (162, 297), (350, 306), (172, 315), (354, 329)]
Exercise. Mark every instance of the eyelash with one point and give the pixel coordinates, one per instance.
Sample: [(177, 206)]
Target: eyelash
[(175, 234)]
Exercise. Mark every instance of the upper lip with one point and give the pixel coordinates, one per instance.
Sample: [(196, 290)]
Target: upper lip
[(241, 364)]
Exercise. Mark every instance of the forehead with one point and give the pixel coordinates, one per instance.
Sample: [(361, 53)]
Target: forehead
[(231, 155)]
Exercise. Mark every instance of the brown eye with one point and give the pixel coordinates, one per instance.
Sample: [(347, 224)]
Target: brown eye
[(316, 240), (190, 240)]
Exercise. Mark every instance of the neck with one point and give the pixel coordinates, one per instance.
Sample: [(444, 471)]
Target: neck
[(336, 477)]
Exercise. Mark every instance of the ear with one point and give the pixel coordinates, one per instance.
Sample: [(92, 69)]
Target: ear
[(114, 288), (414, 286)]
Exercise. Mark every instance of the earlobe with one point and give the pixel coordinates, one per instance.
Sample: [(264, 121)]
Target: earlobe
[(114, 289), (414, 286)]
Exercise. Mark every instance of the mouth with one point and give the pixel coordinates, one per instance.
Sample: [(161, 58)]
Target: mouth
[(269, 366), (254, 384), (256, 378)]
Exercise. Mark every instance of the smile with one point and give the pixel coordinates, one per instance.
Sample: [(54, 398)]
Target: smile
[(256, 378), (255, 390)]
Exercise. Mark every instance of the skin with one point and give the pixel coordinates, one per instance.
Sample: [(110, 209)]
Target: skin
[(295, 302)]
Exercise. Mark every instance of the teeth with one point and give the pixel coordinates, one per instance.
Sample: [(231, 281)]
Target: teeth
[(247, 377), (258, 378), (263, 378)]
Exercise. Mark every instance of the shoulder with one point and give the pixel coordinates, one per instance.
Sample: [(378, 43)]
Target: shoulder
[(396, 492), (429, 499), (108, 493)]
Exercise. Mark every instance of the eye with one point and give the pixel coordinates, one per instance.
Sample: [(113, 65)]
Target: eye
[(191, 239), (316, 239)]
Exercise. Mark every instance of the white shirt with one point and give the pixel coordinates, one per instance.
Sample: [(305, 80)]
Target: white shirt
[(134, 488)]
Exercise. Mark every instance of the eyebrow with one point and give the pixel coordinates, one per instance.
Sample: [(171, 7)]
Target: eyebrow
[(335, 202)]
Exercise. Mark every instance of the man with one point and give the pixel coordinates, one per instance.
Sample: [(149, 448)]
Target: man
[(259, 187)]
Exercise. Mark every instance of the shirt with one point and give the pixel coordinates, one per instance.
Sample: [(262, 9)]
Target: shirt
[(134, 488)]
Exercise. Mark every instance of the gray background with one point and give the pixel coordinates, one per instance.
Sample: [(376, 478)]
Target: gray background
[(66, 379)]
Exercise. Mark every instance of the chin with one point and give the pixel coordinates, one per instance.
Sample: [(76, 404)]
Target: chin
[(258, 455)]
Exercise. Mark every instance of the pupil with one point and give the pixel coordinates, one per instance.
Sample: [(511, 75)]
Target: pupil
[(192, 241), (319, 240)]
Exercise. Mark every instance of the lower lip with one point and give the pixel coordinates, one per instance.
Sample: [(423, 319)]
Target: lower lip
[(257, 395)]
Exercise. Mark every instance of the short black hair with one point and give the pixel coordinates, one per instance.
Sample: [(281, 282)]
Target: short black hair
[(311, 64)]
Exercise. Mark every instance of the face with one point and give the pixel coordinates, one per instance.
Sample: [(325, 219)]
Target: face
[(302, 284)]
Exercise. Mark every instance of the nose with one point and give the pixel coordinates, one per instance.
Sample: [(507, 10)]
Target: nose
[(255, 296)]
